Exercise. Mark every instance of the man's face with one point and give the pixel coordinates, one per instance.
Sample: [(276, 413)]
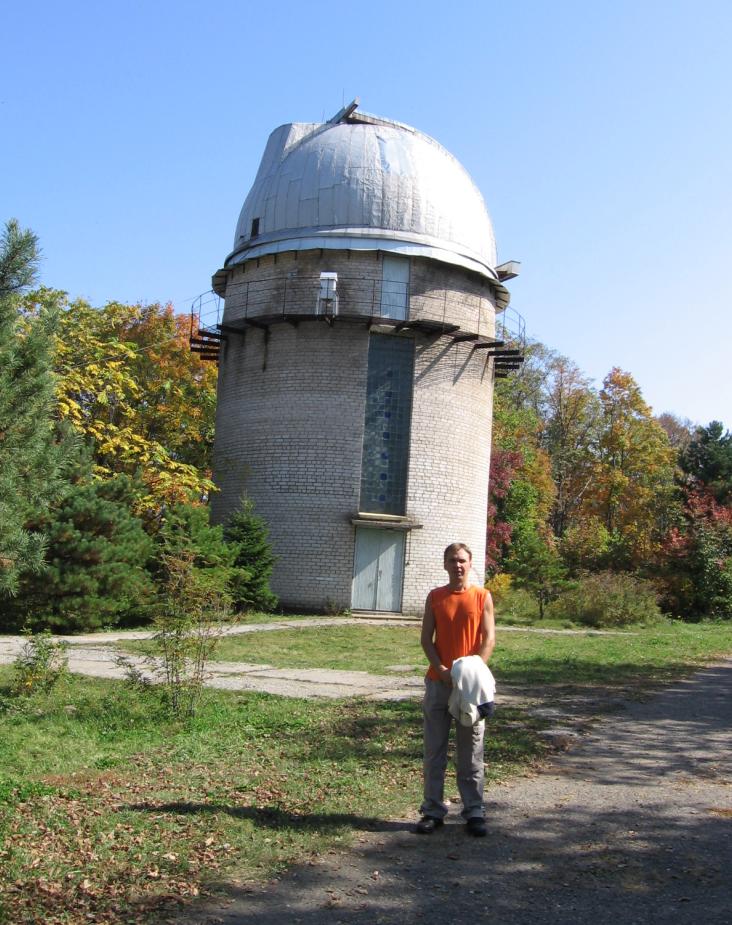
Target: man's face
[(457, 565)]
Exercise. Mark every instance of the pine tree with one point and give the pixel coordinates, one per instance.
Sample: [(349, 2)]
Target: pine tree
[(96, 557), (254, 560), (28, 454), (707, 460), (186, 531)]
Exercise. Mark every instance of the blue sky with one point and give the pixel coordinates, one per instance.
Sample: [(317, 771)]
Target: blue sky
[(599, 135)]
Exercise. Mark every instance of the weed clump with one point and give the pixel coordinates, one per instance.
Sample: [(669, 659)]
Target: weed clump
[(608, 599), (189, 620), (41, 665)]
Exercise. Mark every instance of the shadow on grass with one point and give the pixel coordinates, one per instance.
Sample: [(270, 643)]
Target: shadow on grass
[(272, 818), (394, 729)]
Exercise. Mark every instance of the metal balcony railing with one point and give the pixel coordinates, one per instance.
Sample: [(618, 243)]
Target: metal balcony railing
[(511, 328), (467, 316), (205, 334), (206, 314)]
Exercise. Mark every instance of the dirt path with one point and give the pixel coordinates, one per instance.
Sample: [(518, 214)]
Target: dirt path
[(632, 825)]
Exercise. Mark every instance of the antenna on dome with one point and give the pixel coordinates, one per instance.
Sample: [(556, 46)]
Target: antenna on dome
[(344, 113)]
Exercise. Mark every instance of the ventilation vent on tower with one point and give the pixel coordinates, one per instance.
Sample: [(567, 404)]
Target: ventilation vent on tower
[(327, 295)]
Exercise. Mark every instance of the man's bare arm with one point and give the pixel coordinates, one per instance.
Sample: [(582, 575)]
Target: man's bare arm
[(488, 629), (428, 644)]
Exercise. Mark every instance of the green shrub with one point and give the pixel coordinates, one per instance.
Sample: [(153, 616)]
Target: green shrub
[(517, 605), (607, 599), (193, 571), (187, 532), (189, 623)]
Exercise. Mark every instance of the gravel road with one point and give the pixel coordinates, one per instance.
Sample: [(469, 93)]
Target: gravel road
[(632, 825)]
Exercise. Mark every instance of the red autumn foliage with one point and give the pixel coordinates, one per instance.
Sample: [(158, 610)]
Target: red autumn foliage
[(504, 466)]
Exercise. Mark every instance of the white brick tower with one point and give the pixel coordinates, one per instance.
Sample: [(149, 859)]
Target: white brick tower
[(359, 345)]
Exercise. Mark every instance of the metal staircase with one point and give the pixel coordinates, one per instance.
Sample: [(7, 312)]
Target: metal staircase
[(206, 336)]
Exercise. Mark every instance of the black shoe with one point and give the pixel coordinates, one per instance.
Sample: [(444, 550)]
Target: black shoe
[(476, 827), (428, 824)]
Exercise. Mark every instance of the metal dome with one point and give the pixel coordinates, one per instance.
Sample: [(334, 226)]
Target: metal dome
[(362, 182)]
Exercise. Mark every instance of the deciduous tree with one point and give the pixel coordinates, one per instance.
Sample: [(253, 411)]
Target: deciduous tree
[(570, 436), (129, 383), (521, 490), (678, 430), (697, 568), (633, 491)]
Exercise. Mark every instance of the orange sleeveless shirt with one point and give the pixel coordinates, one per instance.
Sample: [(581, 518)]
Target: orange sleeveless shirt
[(457, 623)]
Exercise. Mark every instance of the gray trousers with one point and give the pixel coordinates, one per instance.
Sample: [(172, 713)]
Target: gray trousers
[(470, 772)]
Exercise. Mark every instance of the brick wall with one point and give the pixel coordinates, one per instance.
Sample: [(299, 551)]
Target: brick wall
[(288, 284), (439, 292), (449, 462), (290, 414), (290, 435)]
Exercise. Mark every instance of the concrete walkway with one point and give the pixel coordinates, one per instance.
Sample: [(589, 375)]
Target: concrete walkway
[(96, 655)]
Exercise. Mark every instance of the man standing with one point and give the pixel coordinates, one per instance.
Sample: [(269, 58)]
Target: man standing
[(458, 621)]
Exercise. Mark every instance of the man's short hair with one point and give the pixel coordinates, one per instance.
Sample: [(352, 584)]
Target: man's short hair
[(456, 547)]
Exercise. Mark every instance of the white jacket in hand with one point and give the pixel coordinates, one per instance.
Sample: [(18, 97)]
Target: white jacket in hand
[(473, 684)]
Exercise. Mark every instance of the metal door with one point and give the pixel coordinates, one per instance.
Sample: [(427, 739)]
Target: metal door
[(378, 570)]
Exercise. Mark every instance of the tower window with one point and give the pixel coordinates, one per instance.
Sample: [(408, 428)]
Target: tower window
[(385, 459), (255, 228), (395, 287)]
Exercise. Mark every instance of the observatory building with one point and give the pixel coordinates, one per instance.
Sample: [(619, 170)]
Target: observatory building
[(362, 329)]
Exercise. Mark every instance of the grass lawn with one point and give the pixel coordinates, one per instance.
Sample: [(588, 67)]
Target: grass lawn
[(107, 810), (521, 656), (640, 654), (110, 813), (346, 648)]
